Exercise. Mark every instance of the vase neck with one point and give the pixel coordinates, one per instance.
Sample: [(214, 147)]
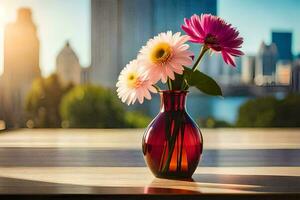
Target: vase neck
[(172, 100)]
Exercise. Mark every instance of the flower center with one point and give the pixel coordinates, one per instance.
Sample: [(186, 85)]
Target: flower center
[(161, 53), (210, 39), (133, 80), (212, 42)]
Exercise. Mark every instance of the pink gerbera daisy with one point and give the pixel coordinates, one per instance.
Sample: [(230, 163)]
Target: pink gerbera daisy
[(133, 84), (215, 34), (165, 55)]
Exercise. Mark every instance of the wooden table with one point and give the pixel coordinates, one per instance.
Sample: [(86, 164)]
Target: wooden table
[(91, 161)]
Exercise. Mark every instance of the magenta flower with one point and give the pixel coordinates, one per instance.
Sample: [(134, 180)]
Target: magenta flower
[(215, 34)]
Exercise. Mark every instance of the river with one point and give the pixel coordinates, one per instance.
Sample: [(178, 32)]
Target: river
[(199, 106)]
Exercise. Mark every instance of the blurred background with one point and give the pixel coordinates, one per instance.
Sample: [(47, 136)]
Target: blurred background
[(59, 62)]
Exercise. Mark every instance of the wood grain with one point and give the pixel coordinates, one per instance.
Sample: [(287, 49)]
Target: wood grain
[(80, 161)]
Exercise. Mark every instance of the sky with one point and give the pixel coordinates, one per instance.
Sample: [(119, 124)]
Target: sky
[(62, 20), (57, 21), (255, 19)]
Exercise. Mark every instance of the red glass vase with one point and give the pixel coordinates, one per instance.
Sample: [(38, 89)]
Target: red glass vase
[(172, 143)]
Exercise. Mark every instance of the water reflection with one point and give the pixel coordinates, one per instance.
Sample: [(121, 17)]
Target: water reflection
[(220, 108)]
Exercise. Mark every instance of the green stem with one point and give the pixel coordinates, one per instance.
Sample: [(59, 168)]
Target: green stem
[(204, 49), (202, 52), (157, 88), (181, 146), (163, 157), (169, 84), (172, 140), (184, 85)]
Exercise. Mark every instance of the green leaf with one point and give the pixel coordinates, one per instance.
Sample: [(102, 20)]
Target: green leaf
[(202, 82)]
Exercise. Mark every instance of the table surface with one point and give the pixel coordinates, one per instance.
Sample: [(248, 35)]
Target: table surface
[(97, 161)]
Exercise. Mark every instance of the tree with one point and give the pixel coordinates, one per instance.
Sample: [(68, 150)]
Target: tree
[(91, 106), (287, 112), (136, 119), (211, 122), (257, 113), (43, 100), (270, 112)]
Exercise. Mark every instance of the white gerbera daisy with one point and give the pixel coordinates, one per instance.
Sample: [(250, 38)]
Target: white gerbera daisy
[(165, 55), (133, 84)]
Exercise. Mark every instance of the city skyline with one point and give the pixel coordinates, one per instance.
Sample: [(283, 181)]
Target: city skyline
[(79, 35), (21, 66), (57, 22), (121, 27), (259, 18)]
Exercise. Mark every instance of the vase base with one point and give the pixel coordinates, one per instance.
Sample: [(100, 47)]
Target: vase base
[(182, 177)]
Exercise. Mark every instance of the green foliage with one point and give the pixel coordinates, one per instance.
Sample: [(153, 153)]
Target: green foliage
[(91, 106), (213, 123), (136, 120), (288, 112), (196, 79), (202, 82), (257, 113), (42, 102), (270, 112)]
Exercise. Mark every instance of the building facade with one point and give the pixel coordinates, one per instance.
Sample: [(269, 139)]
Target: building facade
[(119, 28), (295, 80), (248, 69), (21, 66), (283, 72), (68, 67), (266, 64), (283, 42)]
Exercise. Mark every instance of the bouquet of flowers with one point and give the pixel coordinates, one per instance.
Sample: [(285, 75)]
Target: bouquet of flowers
[(172, 143), (166, 58)]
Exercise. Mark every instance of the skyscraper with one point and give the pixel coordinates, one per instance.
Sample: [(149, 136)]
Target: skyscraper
[(223, 73), (248, 69), (283, 72), (266, 64), (295, 82), (21, 65), (67, 65), (121, 27), (105, 40), (283, 41)]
